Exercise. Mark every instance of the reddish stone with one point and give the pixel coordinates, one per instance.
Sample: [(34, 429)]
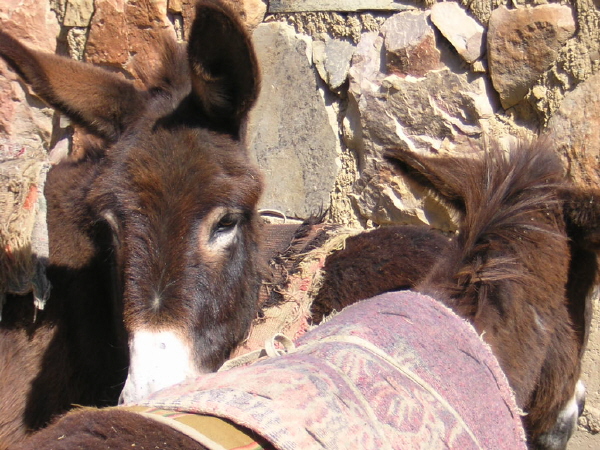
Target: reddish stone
[(410, 45), (31, 21), (522, 44), (121, 30), (21, 118)]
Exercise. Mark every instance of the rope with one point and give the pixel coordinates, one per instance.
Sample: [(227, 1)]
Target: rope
[(270, 350)]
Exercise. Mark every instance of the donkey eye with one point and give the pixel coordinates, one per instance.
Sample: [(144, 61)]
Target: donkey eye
[(227, 223), (224, 229)]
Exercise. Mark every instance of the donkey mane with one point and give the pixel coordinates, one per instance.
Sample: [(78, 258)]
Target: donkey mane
[(497, 197), (508, 268)]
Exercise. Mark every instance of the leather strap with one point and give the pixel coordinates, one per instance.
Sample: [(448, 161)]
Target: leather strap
[(212, 432)]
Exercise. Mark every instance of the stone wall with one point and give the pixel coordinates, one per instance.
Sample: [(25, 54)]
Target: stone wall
[(345, 79)]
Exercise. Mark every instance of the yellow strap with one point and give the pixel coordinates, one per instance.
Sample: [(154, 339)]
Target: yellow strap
[(210, 431)]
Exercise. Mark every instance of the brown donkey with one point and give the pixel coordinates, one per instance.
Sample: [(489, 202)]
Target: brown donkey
[(514, 270), (153, 234), (521, 270)]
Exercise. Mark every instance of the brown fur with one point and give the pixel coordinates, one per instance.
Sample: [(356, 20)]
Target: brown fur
[(509, 271), (512, 271), (124, 226), (132, 222), (385, 259), (93, 429)]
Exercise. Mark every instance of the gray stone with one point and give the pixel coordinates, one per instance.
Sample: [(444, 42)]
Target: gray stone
[(289, 131), (365, 74), (283, 6), (461, 30), (332, 60), (522, 44), (410, 46)]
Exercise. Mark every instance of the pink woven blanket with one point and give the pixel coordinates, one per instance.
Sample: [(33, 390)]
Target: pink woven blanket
[(399, 371)]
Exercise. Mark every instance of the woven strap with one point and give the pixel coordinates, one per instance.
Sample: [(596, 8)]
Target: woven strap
[(210, 431)]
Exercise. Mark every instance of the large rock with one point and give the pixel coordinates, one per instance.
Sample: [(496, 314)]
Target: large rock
[(31, 21), (522, 44), (123, 29), (442, 111), (575, 130), (289, 131)]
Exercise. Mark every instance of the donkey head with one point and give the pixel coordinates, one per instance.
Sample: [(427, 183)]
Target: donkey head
[(522, 269), (175, 186)]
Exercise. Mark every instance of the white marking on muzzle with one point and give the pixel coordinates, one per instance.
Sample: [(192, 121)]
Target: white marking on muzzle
[(157, 359), (573, 409), (566, 422)]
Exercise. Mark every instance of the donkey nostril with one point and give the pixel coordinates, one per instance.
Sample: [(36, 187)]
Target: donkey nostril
[(162, 346)]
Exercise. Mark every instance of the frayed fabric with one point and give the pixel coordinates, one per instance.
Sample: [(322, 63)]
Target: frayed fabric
[(400, 370)]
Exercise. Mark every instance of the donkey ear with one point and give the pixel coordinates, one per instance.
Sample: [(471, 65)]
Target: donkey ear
[(102, 102), (440, 174), (582, 214), (225, 74)]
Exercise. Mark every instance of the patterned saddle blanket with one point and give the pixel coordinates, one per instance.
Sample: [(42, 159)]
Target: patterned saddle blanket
[(396, 371), (23, 229)]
